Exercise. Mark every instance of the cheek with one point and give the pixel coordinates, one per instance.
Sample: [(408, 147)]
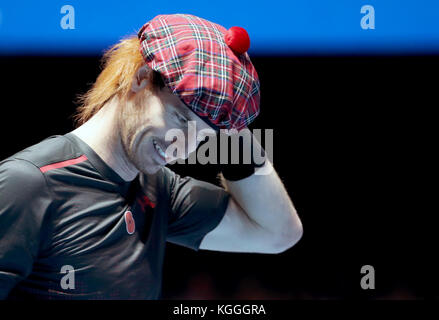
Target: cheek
[(144, 155), (146, 149), (141, 139)]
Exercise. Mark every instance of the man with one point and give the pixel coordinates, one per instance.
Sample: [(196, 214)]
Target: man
[(86, 215)]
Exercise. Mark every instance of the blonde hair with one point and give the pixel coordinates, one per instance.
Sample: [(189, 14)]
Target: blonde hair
[(120, 64)]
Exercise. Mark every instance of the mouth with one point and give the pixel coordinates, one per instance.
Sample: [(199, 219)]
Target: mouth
[(160, 151)]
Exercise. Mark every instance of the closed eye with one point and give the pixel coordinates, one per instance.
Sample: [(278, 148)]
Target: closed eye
[(181, 118)]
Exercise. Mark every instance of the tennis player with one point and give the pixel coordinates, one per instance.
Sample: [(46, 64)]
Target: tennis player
[(87, 214)]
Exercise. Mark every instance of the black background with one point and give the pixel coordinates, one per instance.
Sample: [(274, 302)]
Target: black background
[(346, 146)]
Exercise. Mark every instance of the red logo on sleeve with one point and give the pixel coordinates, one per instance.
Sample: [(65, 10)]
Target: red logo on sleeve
[(129, 222)]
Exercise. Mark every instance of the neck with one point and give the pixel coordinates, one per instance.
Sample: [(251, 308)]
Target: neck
[(102, 135)]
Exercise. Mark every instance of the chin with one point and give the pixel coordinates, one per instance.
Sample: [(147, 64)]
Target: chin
[(152, 169), (148, 165)]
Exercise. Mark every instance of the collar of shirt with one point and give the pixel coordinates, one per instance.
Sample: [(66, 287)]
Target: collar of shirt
[(104, 169)]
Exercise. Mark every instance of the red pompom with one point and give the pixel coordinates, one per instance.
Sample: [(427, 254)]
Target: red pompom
[(237, 39)]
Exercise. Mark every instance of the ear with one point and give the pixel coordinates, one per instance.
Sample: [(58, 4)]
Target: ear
[(140, 79)]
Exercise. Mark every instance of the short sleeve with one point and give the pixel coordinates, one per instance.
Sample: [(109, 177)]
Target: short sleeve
[(24, 201), (196, 206)]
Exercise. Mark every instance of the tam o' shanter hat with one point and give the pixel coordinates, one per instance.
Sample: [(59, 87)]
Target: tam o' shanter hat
[(206, 65)]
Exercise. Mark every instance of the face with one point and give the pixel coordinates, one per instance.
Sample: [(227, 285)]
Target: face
[(146, 120)]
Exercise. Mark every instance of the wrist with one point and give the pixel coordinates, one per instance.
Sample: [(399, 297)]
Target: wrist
[(247, 155)]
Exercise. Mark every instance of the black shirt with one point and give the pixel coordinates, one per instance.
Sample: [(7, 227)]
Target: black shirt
[(61, 204)]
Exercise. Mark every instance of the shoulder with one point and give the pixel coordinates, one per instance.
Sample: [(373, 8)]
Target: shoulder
[(25, 206), (19, 177), (26, 200), (21, 171), (168, 179), (52, 149), (158, 185), (168, 175)]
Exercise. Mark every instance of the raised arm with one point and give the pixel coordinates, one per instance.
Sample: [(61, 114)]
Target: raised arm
[(260, 217)]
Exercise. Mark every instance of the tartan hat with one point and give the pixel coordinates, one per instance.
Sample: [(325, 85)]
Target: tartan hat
[(206, 65)]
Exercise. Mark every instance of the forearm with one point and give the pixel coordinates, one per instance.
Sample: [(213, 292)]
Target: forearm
[(266, 202)]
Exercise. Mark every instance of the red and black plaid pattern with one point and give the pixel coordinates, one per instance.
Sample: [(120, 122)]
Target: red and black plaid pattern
[(197, 65)]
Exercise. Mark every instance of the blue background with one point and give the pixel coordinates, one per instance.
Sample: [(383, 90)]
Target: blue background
[(275, 27)]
